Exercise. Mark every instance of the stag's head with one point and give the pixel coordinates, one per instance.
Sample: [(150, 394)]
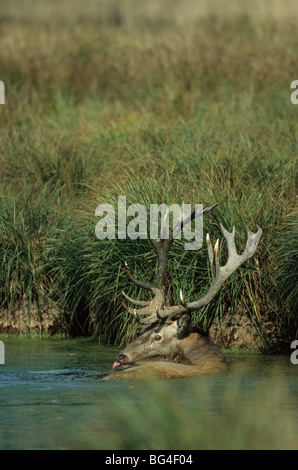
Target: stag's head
[(168, 327), (161, 342)]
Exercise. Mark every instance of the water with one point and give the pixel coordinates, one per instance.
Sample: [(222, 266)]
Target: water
[(53, 396)]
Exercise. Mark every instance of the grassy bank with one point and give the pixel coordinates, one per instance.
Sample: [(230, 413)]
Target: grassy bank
[(161, 103)]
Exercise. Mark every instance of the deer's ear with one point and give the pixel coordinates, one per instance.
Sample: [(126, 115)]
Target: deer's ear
[(182, 324)]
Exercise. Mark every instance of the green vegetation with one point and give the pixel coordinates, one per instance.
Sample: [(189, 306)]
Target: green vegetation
[(164, 102), (231, 416)]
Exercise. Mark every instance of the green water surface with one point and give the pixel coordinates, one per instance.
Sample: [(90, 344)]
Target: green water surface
[(53, 396)]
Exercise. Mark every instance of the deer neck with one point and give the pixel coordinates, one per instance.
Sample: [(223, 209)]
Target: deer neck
[(196, 348)]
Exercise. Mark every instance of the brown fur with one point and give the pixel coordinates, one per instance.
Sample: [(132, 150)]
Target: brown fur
[(177, 356), (192, 355), (167, 370)]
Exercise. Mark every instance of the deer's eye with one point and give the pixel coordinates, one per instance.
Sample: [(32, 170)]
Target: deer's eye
[(157, 338)]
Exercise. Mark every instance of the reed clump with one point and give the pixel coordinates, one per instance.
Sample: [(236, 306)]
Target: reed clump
[(161, 105)]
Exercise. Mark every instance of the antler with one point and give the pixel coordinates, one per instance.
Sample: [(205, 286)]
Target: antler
[(221, 273), (155, 310), (152, 309), (149, 308)]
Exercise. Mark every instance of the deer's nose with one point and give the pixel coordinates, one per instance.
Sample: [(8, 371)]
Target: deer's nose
[(121, 359)]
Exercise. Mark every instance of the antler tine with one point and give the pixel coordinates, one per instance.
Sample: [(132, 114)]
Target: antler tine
[(136, 315), (182, 299), (214, 262), (221, 273), (216, 257), (210, 252), (145, 285), (140, 311), (146, 321), (141, 303)]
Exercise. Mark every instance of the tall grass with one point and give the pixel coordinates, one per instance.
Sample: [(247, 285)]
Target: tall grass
[(196, 416), (28, 222), (285, 266), (161, 105)]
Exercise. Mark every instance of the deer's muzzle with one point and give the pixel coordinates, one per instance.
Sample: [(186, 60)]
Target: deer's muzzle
[(120, 361)]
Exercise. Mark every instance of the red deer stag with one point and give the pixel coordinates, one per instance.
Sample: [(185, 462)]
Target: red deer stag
[(170, 346)]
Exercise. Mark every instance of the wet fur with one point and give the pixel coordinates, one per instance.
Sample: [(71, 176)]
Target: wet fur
[(193, 356)]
